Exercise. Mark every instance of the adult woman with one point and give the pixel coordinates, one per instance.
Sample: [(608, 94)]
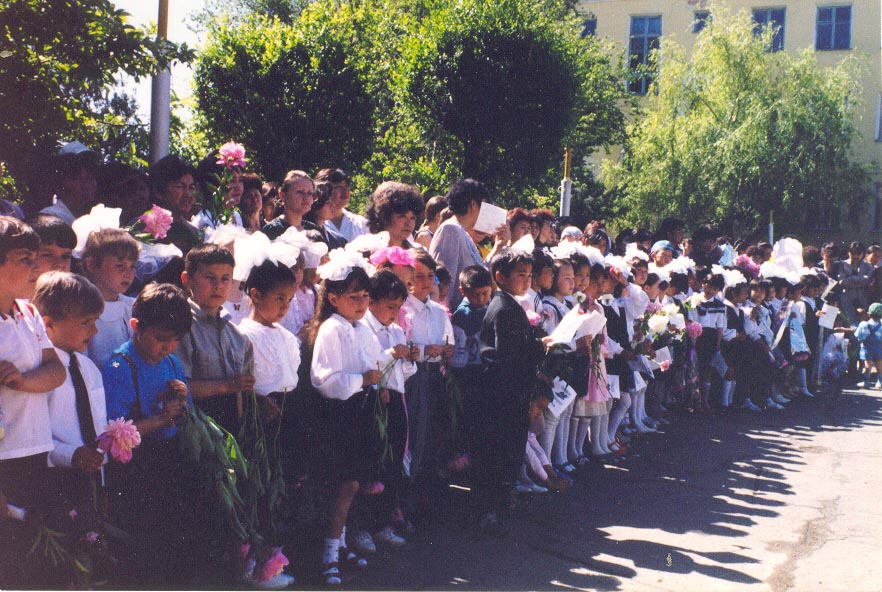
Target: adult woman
[(173, 183), (394, 207), (320, 212), (251, 204)]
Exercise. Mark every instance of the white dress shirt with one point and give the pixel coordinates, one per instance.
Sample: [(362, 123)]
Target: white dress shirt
[(66, 433), (427, 323), (343, 352), (389, 336), (276, 356), (351, 226)]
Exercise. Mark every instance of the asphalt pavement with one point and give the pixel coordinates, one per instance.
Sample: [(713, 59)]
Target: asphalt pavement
[(778, 501)]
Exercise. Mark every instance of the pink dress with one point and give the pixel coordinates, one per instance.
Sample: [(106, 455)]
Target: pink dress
[(597, 401)]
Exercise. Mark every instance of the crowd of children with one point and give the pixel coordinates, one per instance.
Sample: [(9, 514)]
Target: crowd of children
[(561, 348)]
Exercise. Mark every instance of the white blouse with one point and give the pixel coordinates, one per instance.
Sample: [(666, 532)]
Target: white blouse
[(276, 356), (427, 323), (343, 352), (390, 336)]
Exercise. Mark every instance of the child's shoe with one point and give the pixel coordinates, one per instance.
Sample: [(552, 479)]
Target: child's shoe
[(388, 536), (363, 542), (750, 406), (879, 383)]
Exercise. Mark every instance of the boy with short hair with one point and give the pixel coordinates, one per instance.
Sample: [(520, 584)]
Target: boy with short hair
[(29, 368), (511, 354), (70, 306), (476, 286), (57, 241), (217, 359), (145, 383)]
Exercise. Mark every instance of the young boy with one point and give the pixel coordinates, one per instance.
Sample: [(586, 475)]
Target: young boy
[(387, 295), (57, 241), (511, 355), (476, 286), (29, 368), (542, 279), (218, 360), (70, 306), (109, 260), (144, 382)]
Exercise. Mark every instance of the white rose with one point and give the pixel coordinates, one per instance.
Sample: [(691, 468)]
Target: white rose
[(658, 324)]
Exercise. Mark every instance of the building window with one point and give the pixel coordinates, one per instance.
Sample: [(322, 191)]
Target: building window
[(645, 32), (833, 28), (770, 17), (700, 20), (590, 29)]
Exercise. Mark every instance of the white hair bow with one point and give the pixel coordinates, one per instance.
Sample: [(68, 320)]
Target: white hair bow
[(368, 243), (99, 218), (341, 263), (312, 251), (254, 250)]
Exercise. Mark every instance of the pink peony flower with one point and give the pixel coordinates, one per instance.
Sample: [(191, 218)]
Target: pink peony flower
[(747, 265), (653, 307), (459, 463), (273, 566), (157, 221), (665, 365), (119, 437), (374, 488), (394, 255), (232, 155), (534, 318), (693, 329), (91, 537)]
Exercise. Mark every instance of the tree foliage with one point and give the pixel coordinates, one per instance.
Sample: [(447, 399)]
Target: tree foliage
[(735, 132), (60, 62), (423, 92)]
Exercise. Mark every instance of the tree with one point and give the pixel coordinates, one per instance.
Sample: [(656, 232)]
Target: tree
[(59, 69), (291, 94), (736, 131)]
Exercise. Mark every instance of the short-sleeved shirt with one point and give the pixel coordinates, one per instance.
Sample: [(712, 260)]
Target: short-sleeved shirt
[(120, 392), (276, 356), (351, 226), (26, 415), (214, 349)]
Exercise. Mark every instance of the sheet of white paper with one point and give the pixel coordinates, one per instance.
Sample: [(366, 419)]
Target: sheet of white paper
[(490, 218), (564, 395), (640, 364), (577, 324), (639, 383), (612, 383), (828, 319)]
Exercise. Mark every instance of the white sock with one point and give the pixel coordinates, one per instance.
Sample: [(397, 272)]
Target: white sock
[(581, 435), (604, 433), (331, 551), (343, 537), (573, 438)]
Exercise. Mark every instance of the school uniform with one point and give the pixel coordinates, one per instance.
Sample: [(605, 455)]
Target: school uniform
[(511, 354), (556, 429), (425, 323), (711, 315), (276, 357), (78, 414)]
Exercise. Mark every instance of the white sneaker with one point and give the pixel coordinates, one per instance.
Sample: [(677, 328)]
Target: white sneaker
[(750, 406), (280, 582), (805, 393), (536, 488), (780, 399), (388, 536), (770, 404), (363, 542)]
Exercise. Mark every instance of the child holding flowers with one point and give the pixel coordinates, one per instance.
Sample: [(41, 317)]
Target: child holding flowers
[(346, 364)]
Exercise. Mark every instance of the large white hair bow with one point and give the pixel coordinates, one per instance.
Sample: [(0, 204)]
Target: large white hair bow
[(614, 261), (368, 243), (731, 277), (341, 263), (99, 218), (312, 251), (252, 251), (633, 251)]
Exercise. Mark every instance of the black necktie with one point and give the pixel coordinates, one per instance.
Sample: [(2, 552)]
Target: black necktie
[(84, 408)]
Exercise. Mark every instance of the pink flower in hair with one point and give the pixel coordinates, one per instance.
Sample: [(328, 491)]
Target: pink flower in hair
[(394, 255), (232, 155), (119, 438), (273, 566), (157, 221)]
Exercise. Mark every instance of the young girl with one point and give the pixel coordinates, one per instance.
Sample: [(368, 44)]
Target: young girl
[(109, 261), (346, 363), (710, 312), (556, 429)]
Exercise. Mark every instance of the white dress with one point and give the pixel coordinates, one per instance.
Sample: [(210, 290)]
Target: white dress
[(276, 356)]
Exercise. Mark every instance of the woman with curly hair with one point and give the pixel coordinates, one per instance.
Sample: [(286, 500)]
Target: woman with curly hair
[(395, 208)]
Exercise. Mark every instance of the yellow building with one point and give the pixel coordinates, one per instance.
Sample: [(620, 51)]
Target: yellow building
[(834, 29)]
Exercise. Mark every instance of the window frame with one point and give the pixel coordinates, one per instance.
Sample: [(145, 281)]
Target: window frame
[(699, 23), (782, 31), (833, 7), (644, 81)]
